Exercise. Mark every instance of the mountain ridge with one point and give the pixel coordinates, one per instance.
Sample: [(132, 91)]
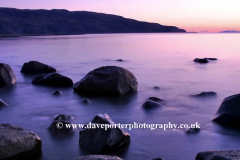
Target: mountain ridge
[(26, 22)]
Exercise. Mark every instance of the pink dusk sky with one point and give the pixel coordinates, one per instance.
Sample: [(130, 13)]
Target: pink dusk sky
[(191, 15)]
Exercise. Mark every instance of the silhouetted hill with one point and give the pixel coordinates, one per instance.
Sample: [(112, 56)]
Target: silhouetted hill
[(16, 22)]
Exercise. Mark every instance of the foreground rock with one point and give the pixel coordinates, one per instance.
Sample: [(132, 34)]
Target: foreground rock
[(2, 103), (205, 94), (53, 79), (18, 143), (229, 111), (107, 80), (61, 127), (100, 140), (219, 155), (200, 60), (7, 76), (151, 104), (99, 157), (34, 67)]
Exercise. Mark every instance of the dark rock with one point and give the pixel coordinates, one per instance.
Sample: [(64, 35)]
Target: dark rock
[(193, 130), (34, 67), (2, 103), (155, 99), (219, 155), (107, 80), (57, 92), (86, 101), (53, 79), (120, 60), (229, 111), (60, 127), (213, 59), (156, 87), (37, 22), (205, 94), (7, 76), (18, 143), (199, 60), (63, 117), (151, 104), (157, 159), (100, 140), (99, 157)]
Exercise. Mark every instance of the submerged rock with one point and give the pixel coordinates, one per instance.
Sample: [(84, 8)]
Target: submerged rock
[(34, 67), (53, 79), (212, 59), (193, 130), (205, 94), (155, 99), (199, 60), (156, 87), (99, 157), (63, 117), (18, 143), (2, 103), (107, 80), (229, 111), (120, 60), (61, 127), (7, 76), (151, 104), (100, 140), (57, 92), (219, 155), (86, 101)]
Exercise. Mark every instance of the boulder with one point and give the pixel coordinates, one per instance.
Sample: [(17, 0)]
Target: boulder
[(151, 104), (99, 157), (2, 103), (212, 59), (57, 92), (61, 127), (53, 79), (34, 67), (229, 111), (219, 155), (200, 60), (86, 101), (63, 117), (7, 76), (18, 143), (98, 139), (205, 94), (107, 80)]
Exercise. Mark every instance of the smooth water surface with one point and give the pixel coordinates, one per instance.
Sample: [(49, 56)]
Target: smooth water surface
[(163, 60)]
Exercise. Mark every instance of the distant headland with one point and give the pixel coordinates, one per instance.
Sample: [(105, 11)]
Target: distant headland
[(25, 22)]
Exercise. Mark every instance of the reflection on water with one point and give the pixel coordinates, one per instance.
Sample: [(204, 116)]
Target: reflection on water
[(163, 60)]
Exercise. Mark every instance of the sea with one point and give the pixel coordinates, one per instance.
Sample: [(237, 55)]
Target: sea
[(164, 60)]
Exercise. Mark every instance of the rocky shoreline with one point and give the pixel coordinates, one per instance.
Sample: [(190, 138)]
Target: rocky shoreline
[(108, 80)]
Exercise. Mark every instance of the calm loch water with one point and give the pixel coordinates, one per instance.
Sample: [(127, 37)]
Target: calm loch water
[(163, 60)]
